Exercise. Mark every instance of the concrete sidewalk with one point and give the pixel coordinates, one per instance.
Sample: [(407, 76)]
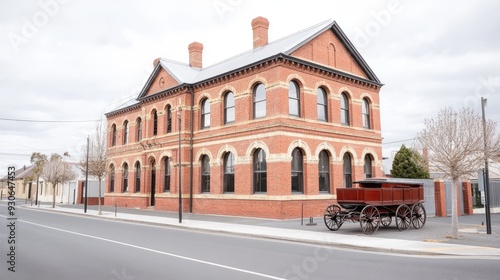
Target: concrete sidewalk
[(369, 243)]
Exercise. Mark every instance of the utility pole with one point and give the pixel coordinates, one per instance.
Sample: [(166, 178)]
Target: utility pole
[(86, 177), (486, 173), (179, 159)]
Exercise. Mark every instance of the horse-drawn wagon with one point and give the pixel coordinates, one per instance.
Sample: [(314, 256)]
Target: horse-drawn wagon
[(375, 202)]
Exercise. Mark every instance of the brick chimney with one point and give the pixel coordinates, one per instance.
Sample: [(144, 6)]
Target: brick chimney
[(195, 54), (155, 62), (260, 25)]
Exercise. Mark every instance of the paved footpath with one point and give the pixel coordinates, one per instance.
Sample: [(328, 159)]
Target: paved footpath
[(432, 239)]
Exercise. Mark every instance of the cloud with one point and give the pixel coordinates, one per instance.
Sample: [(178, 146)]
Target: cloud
[(87, 59)]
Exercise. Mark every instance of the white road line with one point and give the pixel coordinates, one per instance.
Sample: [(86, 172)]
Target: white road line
[(158, 252)]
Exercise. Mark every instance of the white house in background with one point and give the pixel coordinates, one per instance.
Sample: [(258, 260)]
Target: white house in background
[(71, 192)]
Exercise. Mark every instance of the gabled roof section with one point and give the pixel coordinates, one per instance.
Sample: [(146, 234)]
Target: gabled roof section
[(184, 74)]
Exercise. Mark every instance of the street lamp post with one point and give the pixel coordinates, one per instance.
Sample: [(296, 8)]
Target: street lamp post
[(86, 177), (486, 175)]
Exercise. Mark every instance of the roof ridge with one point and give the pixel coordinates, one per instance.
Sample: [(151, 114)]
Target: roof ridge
[(269, 44)]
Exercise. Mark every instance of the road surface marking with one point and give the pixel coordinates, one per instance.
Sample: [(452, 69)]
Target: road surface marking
[(158, 252)]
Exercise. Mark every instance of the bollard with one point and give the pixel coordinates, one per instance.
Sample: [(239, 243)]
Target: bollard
[(115, 209), (311, 222), (302, 215)]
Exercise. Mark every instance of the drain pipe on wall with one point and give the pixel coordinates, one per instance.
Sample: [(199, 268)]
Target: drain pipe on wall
[(191, 91)]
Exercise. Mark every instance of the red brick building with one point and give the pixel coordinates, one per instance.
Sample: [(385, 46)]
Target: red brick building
[(266, 133)]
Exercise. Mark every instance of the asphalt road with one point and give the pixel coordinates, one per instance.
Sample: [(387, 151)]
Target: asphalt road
[(59, 246)]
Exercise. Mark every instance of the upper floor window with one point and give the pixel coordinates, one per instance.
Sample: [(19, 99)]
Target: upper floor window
[(139, 129), (259, 101), (229, 112), (344, 109), (297, 171), (294, 99), (205, 114), (168, 114), (155, 123), (322, 105), (125, 132), (113, 135), (229, 172), (365, 110)]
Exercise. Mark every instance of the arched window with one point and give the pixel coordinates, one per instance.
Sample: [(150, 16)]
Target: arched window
[(259, 101), (205, 174), (229, 112), (322, 105), (297, 171), (229, 173), (294, 99), (112, 178), (137, 177), (347, 171), (166, 174), (125, 177), (155, 122), (113, 135), (205, 114), (344, 109), (125, 132), (366, 113), (259, 171), (168, 121), (368, 166), (324, 172), (139, 129)]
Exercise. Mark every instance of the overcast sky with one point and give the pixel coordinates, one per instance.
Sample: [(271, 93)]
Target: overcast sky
[(74, 60)]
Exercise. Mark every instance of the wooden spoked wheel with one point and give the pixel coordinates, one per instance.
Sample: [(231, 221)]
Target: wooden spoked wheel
[(386, 220), (418, 215), (369, 219), (403, 217), (332, 218)]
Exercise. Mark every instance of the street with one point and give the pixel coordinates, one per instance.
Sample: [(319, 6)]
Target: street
[(60, 246)]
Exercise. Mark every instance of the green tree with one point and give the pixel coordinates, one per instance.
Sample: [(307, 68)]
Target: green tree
[(408, 163)]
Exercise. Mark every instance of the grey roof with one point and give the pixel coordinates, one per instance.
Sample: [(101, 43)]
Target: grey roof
[(184, 74), (21, 173)]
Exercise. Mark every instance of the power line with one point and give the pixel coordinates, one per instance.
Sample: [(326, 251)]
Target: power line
[(46, 121), (399, 141)]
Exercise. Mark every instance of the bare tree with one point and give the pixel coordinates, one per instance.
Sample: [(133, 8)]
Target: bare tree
[(97, 158), (39, 161), (57, 171), (456, 148)]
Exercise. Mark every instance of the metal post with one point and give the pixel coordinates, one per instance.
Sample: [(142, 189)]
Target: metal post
[(179, 160), (486, 175), (36, 197), (86, 177)]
